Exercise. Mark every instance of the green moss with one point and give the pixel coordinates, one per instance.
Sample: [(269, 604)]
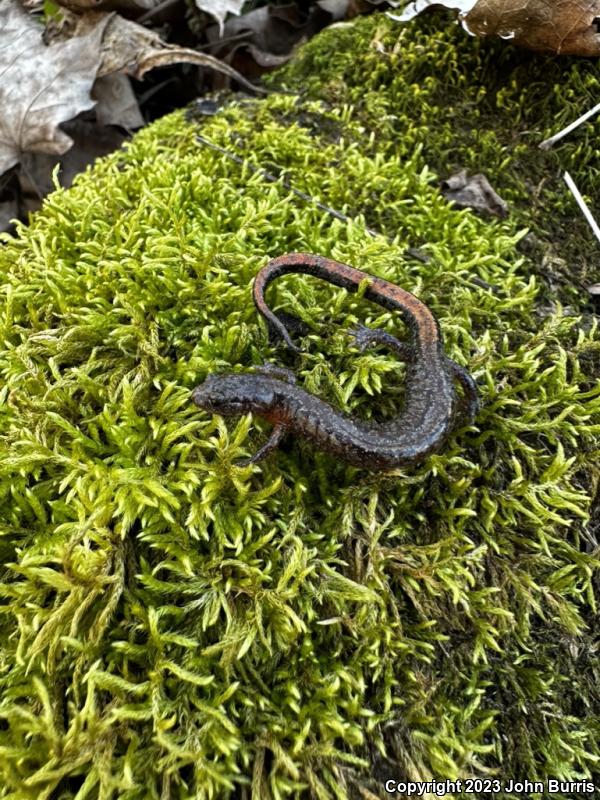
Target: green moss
[(480, 104), (175, 626)]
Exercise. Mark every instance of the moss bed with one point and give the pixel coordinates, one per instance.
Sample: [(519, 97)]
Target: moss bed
[(175, 626)]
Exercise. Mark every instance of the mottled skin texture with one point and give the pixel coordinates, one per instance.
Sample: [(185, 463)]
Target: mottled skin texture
[(431, 403)]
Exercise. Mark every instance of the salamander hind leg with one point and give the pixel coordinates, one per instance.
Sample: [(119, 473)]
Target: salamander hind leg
[(365, 337), (469, 403), (278, 325), (292, 324), (273, 443)]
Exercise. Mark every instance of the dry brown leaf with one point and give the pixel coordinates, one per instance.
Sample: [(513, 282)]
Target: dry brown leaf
[(133, 50), (567, 27), (551, 26)]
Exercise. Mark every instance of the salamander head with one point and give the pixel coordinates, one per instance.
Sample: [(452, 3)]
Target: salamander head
[(234, 393)]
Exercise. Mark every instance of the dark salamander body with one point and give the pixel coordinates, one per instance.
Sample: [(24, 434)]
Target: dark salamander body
[(431, 400)]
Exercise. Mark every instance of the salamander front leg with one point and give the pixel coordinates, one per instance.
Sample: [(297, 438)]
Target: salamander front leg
[(365, 337), (273, 443), (469, 403)]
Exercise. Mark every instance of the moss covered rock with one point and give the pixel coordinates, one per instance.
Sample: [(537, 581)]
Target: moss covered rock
[(176, 626)]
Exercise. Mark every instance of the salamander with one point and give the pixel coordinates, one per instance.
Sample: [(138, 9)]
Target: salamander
[(431, 403)]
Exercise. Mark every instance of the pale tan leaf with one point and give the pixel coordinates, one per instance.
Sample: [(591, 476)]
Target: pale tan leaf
[(473, 192), (41, 86), (45, 83)]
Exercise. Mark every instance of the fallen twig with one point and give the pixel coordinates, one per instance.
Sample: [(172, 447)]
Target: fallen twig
[(548, 143), (582, 205), (269, 176)]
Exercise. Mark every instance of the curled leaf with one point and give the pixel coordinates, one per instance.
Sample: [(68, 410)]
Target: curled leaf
[(133, 50), (269, 33)]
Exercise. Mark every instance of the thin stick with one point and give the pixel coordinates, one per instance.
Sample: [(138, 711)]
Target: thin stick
[(152, 11), (582, 205), (226, 39), (548, 143), (268, 176)]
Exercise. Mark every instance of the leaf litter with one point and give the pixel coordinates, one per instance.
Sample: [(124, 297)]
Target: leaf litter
[(79, 67), (42, 86), (51, 76)]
